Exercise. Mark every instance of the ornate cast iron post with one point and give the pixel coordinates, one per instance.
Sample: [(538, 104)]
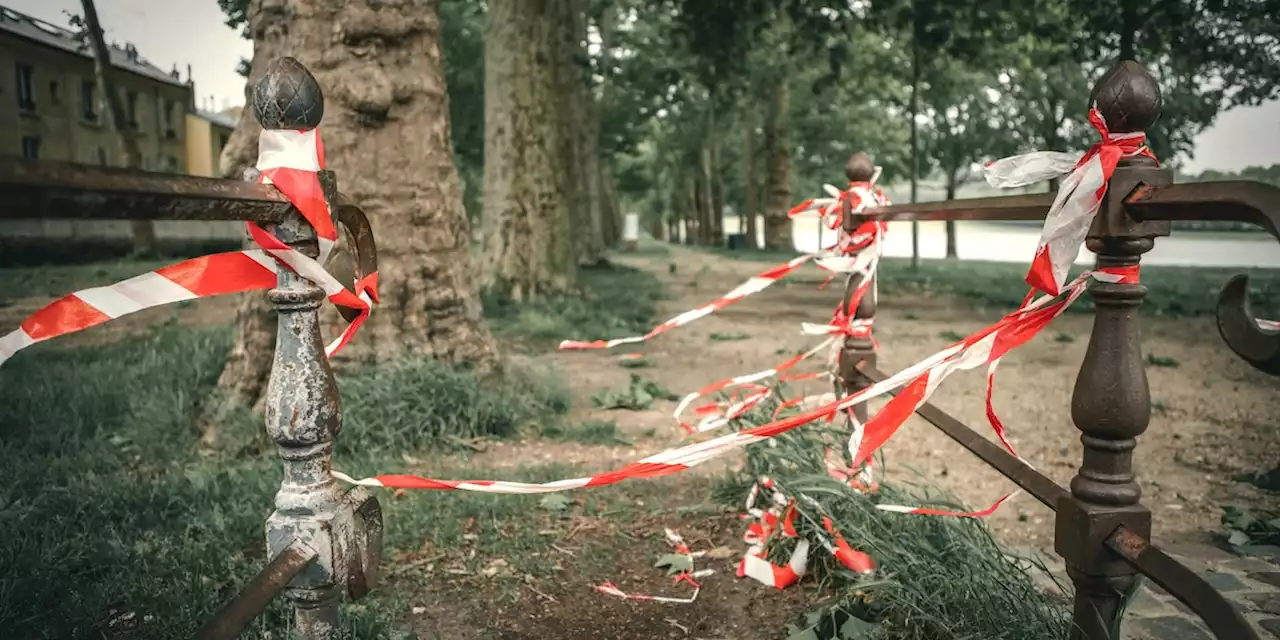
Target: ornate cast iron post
[(1111, 403), (302, 406), (854, 351)]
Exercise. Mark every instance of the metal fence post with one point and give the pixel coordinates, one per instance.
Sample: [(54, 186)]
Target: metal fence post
[(856, 350), (302, 406), (1111, 403)]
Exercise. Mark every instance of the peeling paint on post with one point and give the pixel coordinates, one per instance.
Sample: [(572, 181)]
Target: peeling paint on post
[(303, 412)]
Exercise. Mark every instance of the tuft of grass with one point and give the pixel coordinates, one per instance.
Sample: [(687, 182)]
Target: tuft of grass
[(638, 395), (1171, 291), (614, 302), (590, 432), (1064, 338), (728, 337), (936, 578), (115, 523), (1161, 361), (418, 404)]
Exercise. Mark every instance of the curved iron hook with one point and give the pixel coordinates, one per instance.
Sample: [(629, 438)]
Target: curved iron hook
[(365, 259), (1240, 330)]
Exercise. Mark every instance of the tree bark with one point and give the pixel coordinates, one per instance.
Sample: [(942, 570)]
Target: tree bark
[(751, 205), (706, 193), (777, 226), (143, 231), (717, 192), (580, 129), (528, 243), (611, 209), (951, 224), (915, 147), (386, 135)]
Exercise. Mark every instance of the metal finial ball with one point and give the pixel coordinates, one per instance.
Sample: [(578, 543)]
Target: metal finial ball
[(1128, 98), (287, 97), (859, 168)]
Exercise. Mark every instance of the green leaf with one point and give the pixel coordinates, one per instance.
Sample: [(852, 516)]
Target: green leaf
[(805, 634), (555, 502), (675, 563), (1238, 538), (856, 629)]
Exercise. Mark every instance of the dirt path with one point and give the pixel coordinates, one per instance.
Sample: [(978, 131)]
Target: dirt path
[(1213, 418)]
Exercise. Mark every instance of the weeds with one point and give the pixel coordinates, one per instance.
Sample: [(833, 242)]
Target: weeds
[(1161, 361), (114, 522), (937, 577), (1064, 338), (590, 432), (615, 302), (728, 337), (638, 395)]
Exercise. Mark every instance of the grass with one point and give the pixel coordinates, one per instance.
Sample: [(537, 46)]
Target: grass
[(116, 523), (615, 302), (110, 507), (638, 395), (1171, 291), (937, 577), (590, 432), (25, 282)]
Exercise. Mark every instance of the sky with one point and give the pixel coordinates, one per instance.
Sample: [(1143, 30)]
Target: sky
[(192, 32)]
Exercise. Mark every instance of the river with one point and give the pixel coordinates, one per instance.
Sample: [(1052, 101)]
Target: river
[(1016, 242)]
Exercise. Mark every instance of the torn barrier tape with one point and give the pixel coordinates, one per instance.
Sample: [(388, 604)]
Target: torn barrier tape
[(835, 261), (689, 576), (920, 380)]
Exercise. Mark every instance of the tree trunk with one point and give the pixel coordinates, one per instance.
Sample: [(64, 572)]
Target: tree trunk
[(915, 147), (580, 128), (751, 203), (611, 208), (777, 196), (707, 195), (144, 231), (386, 135), (717, 192), (951, 224), (528, 243), (1129, 25)]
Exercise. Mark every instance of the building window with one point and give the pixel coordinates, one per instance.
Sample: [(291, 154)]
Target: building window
[(55, 93), (102, 157), (222, 141), (130, 108), (26, 76), (88, 103), (172, 164), (166, 116), (31, 147)]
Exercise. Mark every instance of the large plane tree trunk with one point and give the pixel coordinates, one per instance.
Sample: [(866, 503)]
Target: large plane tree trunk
[(528, 238), (386, 136)]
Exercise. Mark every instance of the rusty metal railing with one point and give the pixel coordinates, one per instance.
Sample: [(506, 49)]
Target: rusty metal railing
[(325, 543), (1101, 530)]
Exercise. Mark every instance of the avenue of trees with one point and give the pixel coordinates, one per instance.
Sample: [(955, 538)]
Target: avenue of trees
[(527, 127)]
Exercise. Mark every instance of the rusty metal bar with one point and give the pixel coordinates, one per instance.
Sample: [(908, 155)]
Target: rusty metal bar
[(1000, 208), (1223, 620), (255, 597), (1017, 471), (42, 190), (1253, 203)]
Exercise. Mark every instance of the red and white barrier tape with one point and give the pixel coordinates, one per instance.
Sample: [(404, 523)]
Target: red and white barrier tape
[(1078, 198), (920, 379), (690, 576), (756, 284), (288, 160), (779, 518)]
